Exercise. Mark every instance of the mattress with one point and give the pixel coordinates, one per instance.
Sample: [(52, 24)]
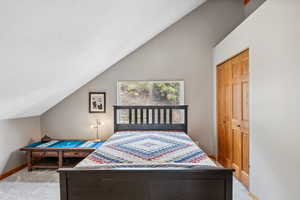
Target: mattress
[(157, 149)]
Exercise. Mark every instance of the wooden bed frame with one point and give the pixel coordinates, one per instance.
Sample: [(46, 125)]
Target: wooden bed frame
[(197, 183)]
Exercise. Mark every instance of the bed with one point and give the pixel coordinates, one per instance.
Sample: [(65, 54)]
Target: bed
[(150, 157)]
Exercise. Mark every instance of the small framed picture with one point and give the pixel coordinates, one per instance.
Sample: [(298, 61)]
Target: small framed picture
[(97, 102)]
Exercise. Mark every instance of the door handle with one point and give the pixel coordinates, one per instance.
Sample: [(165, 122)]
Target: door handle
[(239, 125)]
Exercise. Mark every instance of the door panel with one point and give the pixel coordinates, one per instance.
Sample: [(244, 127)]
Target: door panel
[(236, 69), (221, 144), (229, 148), (245, 152), (237, 152), (245, 102), (244, 176), (236, 102)]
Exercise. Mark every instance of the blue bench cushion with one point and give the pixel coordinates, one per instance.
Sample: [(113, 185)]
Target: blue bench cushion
[(67, 144)]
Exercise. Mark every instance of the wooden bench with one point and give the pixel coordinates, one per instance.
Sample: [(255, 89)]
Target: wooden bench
[(58, 153)]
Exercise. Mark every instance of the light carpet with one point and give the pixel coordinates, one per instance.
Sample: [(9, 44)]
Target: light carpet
[(44, 185)]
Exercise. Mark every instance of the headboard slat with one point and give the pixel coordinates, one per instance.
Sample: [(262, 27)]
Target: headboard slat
[(142, 115), (165, 116), (130, 116), (170, 115), (147, 116), (158, 116), (135, 115), (153, 116)]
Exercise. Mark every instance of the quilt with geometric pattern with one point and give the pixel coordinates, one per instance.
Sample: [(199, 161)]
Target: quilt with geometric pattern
[(148, 149)]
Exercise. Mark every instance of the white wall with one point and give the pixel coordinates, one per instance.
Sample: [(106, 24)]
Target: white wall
[(51, 48), (182, 52), (272, 34), (15, 134)]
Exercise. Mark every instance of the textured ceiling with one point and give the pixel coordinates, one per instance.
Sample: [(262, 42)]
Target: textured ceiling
[(48, 49)]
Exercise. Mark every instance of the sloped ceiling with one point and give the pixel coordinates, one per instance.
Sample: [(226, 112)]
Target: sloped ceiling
[(48, 49)]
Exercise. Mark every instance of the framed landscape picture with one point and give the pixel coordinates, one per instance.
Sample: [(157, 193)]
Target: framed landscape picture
[(97, 102), (150, 93)]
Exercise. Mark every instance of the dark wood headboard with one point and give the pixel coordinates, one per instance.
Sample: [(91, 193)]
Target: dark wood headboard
[(152, 118)]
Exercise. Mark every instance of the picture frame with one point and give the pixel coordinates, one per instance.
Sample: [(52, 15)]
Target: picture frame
[(97, 102)]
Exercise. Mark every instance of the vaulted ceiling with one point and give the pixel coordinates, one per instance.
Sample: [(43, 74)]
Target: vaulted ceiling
[(48, 49)]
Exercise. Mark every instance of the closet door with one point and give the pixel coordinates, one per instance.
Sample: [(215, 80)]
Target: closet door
[(224, 115), (228, 113), (221, 115), (245, 118), (240, 116), (236, 115)]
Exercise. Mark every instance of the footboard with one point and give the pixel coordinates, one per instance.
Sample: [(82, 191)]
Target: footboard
[(201, 183)]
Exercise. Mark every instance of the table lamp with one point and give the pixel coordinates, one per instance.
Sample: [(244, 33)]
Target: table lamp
[(97, 127)]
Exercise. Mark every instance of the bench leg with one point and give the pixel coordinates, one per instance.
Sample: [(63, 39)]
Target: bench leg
[(29, 160), (60, 159)]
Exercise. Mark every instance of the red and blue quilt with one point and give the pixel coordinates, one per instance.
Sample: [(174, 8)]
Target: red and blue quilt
[(147, 149)]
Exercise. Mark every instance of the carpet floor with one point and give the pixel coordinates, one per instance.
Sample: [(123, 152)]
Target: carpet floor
[(44, 185)]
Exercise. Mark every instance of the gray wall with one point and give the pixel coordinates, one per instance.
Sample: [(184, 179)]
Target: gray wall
[(274, 96), (15, 134), (182, 52), (252, 6)]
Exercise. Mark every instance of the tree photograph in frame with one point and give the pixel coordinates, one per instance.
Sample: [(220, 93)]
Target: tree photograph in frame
[(97, 102)]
